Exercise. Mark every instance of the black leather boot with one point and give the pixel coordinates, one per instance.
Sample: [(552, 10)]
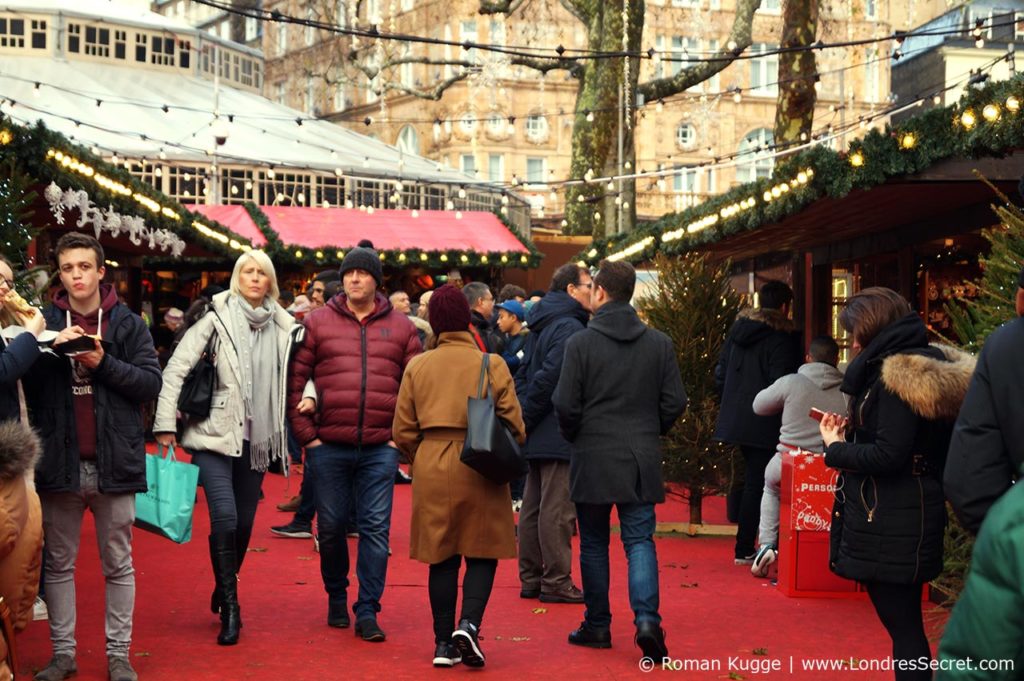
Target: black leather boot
[(225, 573)]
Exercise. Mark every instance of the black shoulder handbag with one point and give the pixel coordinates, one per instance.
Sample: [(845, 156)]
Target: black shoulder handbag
[(490, 449), (197, 390)]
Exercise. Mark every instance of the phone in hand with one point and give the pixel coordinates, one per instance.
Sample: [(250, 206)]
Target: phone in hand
[(816, 414)]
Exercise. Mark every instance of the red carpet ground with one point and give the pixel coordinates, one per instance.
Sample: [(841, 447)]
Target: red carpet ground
[(715, 613)]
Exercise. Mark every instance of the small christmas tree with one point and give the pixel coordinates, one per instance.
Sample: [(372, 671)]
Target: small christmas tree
[(695, 304), (974, 320), (16, 231)]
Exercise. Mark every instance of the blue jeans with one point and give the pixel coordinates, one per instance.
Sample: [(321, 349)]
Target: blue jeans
[(370, 470), (637, 521)]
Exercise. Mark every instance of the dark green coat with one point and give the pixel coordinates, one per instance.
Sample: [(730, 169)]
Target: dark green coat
[(988, 620)]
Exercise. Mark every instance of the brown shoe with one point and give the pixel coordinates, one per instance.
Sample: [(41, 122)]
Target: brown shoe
[(292, 505), (569, 594)]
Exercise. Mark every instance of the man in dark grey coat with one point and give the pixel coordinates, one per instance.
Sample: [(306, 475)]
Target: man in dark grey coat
[(620, 389)]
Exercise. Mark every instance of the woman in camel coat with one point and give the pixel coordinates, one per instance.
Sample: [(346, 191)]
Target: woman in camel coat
[(456, 512)]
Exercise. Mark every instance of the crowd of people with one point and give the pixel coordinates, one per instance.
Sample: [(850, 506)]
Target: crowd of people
[(350, 381)]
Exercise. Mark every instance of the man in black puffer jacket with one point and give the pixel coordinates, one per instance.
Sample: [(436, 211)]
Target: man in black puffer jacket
[(547, 516), (987, 450), (760, 349), (88, 411)]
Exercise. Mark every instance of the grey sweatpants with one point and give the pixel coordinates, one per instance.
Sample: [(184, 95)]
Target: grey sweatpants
[(62, 525), (768, 530)]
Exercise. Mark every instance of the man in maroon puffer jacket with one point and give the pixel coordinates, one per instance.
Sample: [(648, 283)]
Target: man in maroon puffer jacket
[(355, 350)]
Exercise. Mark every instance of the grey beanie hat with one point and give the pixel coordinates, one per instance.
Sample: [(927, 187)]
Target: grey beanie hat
[(362, 259)]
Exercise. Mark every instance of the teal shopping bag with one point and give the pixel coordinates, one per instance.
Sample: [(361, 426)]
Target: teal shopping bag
[(166, 507)]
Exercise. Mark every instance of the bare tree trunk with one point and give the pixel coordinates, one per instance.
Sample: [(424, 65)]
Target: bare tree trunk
[(595, 142), (794, 114)]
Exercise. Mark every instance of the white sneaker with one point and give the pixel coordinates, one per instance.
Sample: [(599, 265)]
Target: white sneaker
[(39, 610), (316, 543), (763, 560), (517, 505)]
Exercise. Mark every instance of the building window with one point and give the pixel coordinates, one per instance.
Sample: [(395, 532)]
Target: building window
[(686, 181), (536, 128), (754, 160), (872, 76), (74, 36), (535, 170), (407, 5), (467, 123), (468, 34), (279, 95), (771, 6), (282, 39), (870, 9), (12, 33), (680, 54), (373, 12), (38, 34), (409, 141), (495, 168), (497, 32), (248, 77), (184, 54), (97, 41), (162, 51), (764, 71), (309, 94), (120, 44), (252, 29), (141, 47), (496, 125), (310, 31), (405, 70), (686, 136), (469, 164), (341, 14)]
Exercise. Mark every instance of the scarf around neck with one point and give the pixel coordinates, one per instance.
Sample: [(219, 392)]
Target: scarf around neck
[(261, 378)]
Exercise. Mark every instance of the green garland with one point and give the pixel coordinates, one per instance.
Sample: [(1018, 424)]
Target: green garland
[(27, 150), (937, 134)]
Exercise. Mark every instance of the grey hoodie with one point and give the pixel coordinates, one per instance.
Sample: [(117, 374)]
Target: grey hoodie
[(815, 384)]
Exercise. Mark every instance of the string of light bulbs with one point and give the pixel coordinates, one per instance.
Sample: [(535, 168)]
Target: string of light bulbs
[(529, 52)]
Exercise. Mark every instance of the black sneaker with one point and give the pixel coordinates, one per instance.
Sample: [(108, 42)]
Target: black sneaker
[(467, 639), (368, 630), (337, 615), (591, 637), (447, 654), (293, 530)]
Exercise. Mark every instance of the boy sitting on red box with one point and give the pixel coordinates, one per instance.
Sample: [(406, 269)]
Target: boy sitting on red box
[(814, 385)]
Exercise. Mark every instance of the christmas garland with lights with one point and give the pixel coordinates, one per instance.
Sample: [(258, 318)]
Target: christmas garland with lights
[(986, 122), (48, 156)]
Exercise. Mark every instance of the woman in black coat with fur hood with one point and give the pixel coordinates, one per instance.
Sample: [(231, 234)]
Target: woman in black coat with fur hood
[(889, 516)]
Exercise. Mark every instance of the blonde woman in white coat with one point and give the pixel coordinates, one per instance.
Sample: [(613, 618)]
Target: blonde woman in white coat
[(245, 430)]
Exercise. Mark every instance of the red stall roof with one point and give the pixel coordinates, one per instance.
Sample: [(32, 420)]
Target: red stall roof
[(388, 229)]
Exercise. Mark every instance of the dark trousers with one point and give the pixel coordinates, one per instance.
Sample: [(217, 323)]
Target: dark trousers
[(545, 528), (756, 461), (443, 587), (899, 608), (232, 493)]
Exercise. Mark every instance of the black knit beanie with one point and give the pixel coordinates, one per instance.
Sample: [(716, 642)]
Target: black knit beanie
[(362, 259)]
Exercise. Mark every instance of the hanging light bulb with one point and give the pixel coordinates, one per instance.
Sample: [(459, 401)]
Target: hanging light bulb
[(990, 112), (968, 119), (590, 117), (856, 160), (1012, 104)]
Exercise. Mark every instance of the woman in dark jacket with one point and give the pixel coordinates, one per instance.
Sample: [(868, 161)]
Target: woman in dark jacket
[(889, 515), (19, 353)]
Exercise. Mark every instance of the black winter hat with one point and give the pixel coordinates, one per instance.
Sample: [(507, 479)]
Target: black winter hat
[(362, 259)]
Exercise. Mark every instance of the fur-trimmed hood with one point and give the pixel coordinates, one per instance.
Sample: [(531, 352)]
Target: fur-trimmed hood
[(933, 388), (19, 449), (755, 324)]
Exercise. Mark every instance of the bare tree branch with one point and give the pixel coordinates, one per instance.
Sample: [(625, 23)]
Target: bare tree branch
[(500, 6), (580, 9), (740, 36), (433, 93)]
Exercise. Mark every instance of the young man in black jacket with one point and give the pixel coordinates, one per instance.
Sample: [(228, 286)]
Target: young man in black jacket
[(760, 349), (986, 453), (87, 408), (619, 390)]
